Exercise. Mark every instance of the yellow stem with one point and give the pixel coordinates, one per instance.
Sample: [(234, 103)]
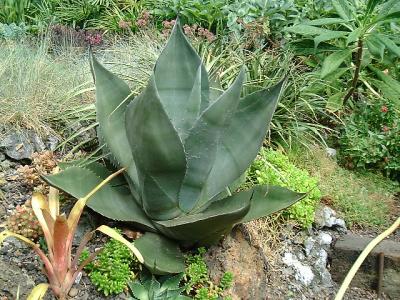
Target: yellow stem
[(362, 257), (103, 183)]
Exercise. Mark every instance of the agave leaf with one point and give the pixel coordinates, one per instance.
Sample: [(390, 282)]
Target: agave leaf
[(216, 218), (138, 291), (267, 200), (112, 97), (38, 292), (161, 256), (244, 137), (202, 144), (175, 75), (158, 151), (112, 202)]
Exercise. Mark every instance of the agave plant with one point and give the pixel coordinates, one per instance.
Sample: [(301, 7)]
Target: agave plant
[(184, 145)]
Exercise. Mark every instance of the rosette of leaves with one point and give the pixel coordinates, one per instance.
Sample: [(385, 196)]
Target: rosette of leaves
[(183, 147), (147, 287)]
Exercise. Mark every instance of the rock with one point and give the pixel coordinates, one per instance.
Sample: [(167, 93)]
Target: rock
[(52, 142), (21, 145), (320, 265), (309, 245), (12, 277), (2, 157), (331, 152), (5, 165), (303, 273), (73, 292), (326, 217), (235, 254), (349, 247), (84, 226), (324, 239)]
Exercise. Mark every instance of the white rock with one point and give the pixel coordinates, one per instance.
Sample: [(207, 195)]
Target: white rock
[(303, 273), (324, 238), (309, 245), (330, 152)]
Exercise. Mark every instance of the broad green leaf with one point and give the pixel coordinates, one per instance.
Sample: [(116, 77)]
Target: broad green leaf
[(335, 102), (324, 21), (267, 200), (328, 36), (371, 4), (112, 97), (306, 30), (333, 61), (113, 202), (307, 47), (161, 256), (354, 35), (393, 83), (343, 8), (249, 126), (390, 45), (207, 130), (176, 75), (158, 151), (387, 90), (218, 217), (389, 11), (375, 46)]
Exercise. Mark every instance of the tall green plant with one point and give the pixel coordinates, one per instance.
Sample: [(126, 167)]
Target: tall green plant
[(183, 150), (13, 11), (358, 33)]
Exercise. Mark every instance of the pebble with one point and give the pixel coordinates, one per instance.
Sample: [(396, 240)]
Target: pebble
[(73, 292)]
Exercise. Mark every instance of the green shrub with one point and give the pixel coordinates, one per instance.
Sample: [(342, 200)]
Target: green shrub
[(111, 270), (199, 283), (370, 138), (274, 167)]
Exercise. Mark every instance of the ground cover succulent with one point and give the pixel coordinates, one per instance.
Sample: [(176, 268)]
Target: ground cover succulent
[(183, 144)]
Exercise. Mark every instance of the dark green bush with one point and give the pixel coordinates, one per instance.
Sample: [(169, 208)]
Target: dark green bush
[(370, 138)]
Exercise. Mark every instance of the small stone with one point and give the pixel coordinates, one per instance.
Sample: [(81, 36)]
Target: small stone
[(331, 152), (325, 238), (73, 292), (309, 245), (303, 273), (326, 217)]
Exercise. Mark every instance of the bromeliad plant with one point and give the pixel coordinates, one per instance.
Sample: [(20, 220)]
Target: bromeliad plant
[(59, 266), (184, 146)]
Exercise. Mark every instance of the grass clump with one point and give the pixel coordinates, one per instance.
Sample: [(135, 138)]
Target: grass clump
[(36, 88), (363, 199), (274, 168)]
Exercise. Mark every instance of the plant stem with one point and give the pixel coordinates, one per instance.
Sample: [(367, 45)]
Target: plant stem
[(356, 72)]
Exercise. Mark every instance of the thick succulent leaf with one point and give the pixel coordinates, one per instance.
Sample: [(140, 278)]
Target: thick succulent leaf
[(175, 75), (243, 139), (216, 218), (112, 97), (138, 290), (158, 151), (267, 200), (202, 144), (113, 202), (161, 256)]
